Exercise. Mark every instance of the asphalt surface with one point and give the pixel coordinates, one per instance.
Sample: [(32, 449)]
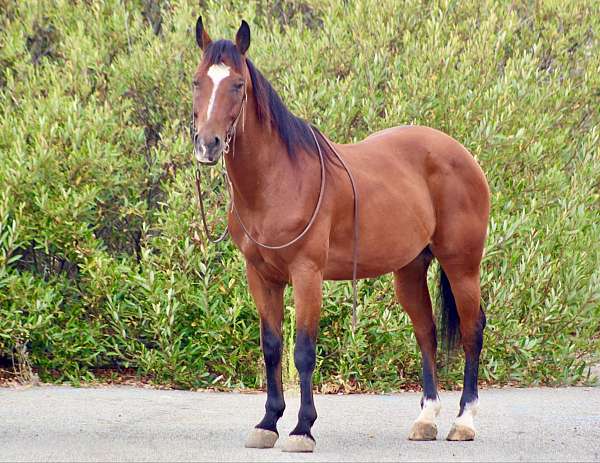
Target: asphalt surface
[(134, 424)]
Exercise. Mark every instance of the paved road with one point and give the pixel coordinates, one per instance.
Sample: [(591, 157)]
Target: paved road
[(126, 424)]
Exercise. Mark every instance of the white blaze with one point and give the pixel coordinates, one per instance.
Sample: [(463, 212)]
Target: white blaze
[(217, 72)]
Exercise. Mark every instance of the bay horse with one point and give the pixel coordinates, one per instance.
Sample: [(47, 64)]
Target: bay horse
[(422, 195)]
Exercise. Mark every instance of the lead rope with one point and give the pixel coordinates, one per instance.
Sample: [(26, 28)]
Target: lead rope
[(356, 228), (229, 145), (202, 213), (306, 228)]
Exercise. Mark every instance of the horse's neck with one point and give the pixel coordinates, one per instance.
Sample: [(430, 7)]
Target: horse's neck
[(257, 165)]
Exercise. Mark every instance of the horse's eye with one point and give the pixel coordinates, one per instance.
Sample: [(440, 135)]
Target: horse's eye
[(237, 87)]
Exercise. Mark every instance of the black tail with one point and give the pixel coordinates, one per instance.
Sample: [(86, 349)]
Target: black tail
[(448, 315)]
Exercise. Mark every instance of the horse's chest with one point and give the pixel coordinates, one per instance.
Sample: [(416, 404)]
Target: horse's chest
[(266, 262)]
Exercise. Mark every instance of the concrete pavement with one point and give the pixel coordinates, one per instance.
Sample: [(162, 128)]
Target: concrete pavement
[(132, 424)]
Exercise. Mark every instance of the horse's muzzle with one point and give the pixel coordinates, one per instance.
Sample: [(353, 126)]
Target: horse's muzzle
[(208, 153)]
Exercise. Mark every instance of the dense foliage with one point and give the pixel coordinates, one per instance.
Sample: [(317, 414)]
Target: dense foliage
[(101, 264)]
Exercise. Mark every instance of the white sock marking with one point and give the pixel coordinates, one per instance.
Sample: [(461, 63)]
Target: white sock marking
[(466, 419), (217, 72), (431, 409)]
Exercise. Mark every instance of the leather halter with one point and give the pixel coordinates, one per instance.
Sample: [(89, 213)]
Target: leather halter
[(230, 137)]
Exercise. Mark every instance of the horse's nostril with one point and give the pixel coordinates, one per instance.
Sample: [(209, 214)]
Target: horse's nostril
[(217, 141)]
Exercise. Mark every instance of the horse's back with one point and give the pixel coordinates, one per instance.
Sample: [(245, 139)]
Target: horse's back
[(416, 182), (426, 152)]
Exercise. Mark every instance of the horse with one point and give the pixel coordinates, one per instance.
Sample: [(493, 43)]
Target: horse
[(421, 195)]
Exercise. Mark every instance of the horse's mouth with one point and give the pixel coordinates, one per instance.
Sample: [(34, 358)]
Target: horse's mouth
[(206, 162), (203, 158)]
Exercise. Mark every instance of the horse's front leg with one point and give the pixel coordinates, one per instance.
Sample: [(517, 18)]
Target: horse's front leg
[(307, 282), (268, 297)]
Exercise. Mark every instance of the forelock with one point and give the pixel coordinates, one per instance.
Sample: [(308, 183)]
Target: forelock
[(222, 51)]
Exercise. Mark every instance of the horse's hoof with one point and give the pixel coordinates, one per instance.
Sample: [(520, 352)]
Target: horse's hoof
[(459, 432), (422, 430), (298, 444), (261, 439)]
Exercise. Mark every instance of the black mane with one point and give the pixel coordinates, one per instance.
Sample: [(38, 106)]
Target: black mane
[(293, 131)]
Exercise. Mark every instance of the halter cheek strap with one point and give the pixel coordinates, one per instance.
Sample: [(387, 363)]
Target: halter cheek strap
[(230, 135)]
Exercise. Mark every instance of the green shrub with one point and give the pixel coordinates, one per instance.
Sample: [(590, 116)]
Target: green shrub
[(100, 261)]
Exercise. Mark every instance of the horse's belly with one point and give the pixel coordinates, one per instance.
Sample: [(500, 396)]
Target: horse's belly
[(388, 240), (341, 269)]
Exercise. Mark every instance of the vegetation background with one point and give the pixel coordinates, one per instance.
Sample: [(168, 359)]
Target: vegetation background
[(101, 264)]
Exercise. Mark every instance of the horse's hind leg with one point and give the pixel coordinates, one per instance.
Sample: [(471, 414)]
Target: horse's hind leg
[(268, 297), (461, 200), (413, 294), (463, 278)]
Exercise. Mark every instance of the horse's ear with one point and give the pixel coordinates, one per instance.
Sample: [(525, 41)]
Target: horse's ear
[(202, 37), (242, 38)]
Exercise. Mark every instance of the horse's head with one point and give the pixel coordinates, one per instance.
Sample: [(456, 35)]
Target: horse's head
[(219, 93)]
